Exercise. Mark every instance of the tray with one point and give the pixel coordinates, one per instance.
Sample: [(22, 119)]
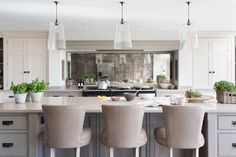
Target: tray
[(200, 99)]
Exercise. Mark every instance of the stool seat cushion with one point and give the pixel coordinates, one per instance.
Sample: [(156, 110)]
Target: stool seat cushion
[(142, 140), (86, 137), (160, 136)]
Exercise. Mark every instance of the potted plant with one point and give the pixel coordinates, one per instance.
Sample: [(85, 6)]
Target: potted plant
[(221, 88), (161, 78), (20, 91), (36, 89), (91, 77)]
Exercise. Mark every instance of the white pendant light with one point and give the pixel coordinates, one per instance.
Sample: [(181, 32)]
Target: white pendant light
[(186, 35), (56, 35), (122, 35)]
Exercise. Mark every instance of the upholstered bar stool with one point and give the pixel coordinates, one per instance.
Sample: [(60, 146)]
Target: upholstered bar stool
[(182, 129), (64, 128), (123, 127)]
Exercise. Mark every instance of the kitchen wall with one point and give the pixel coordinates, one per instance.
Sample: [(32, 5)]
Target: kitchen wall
[(138, 66)]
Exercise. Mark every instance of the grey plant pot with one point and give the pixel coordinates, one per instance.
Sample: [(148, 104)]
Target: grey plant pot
[(20, 98), (36, 97)]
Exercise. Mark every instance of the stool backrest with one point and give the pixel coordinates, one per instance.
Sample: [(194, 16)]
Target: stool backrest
[(64, 125), (183, 125), (123, 125)]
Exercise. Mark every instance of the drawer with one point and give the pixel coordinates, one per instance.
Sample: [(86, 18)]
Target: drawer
[(13, 122), (227, 122), (8, 97), (227, 144), (13, 144)]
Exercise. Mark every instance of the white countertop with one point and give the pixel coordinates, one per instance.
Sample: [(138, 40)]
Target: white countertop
[(93, 105)]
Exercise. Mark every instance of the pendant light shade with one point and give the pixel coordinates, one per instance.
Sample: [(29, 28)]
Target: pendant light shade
[(56, 35), (185, 36), (122, 35)]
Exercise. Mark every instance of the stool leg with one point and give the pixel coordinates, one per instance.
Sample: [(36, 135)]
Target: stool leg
[(111, 152), (77, 152), (51, 152), (196, 152), (171, 152), (137, 152)]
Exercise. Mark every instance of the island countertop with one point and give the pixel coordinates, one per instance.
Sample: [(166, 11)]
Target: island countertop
[(93, 105)]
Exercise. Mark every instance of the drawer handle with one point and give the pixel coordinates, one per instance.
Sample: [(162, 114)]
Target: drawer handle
[(71, 96), (233, 144), (233, 122), (7, 145), (10, 122), (55, 95), (11, 96)]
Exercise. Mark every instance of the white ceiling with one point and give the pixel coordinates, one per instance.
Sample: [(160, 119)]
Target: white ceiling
[(94, 16)]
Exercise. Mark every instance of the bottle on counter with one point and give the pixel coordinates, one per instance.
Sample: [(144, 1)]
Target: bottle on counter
[(81, 83)]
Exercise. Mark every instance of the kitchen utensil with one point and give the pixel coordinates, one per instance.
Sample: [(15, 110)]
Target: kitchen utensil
[(102, 84)]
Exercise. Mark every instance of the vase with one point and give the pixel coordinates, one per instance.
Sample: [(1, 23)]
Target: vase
[(36, 97), (20, 98)]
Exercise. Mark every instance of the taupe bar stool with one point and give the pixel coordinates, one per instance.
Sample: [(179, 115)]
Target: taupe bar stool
[(182, 129), (123, 127), (64, 128)]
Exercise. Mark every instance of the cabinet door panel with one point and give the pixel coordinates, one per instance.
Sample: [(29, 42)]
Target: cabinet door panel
[(16, 68), (37, 58), (221, 67), (221, 46), (16, 45), (201, 72), (203, 48)]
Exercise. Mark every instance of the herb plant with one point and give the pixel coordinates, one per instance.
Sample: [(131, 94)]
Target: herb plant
[(225, 86), (19, 88), (161, 78), (38, 86)]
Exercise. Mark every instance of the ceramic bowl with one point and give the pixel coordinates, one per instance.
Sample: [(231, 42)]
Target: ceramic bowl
[(115, 98), (129, 96), (147, 96), (164, 85)]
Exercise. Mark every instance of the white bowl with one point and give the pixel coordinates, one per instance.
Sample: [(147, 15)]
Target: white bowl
[(164, 85), (147, 96)]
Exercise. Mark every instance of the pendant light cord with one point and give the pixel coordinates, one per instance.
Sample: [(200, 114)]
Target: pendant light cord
[(122, 12), (56, 22), (188, 22)]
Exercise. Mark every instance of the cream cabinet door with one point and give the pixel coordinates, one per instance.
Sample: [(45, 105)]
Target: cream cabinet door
[(36, 58), (221, 59), (201, 65), (16, 59)]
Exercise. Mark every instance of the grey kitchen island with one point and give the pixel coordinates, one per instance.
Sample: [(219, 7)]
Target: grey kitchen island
[(21, 127)]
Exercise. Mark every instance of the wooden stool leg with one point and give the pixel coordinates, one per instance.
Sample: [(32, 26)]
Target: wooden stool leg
[(171, 152), (111, 152), (137, 152), (77, 152), (51, 152)]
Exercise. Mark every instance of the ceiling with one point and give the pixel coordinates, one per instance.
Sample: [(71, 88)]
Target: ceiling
[(97, 18)]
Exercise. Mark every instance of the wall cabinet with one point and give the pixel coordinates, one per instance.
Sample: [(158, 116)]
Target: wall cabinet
[(212, 62), (25, 58)]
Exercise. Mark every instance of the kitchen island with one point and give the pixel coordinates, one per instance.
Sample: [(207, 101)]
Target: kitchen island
[(22, 128)]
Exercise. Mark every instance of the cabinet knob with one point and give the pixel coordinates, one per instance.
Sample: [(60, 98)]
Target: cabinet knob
[(213, 72), (7, 145), (233, 144), (210, 72)]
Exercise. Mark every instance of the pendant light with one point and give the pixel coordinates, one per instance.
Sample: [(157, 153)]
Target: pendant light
[(122, 35), (56, 35), (187, 34)]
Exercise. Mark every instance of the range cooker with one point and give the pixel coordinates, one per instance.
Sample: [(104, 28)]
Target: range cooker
[(115, 91)]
